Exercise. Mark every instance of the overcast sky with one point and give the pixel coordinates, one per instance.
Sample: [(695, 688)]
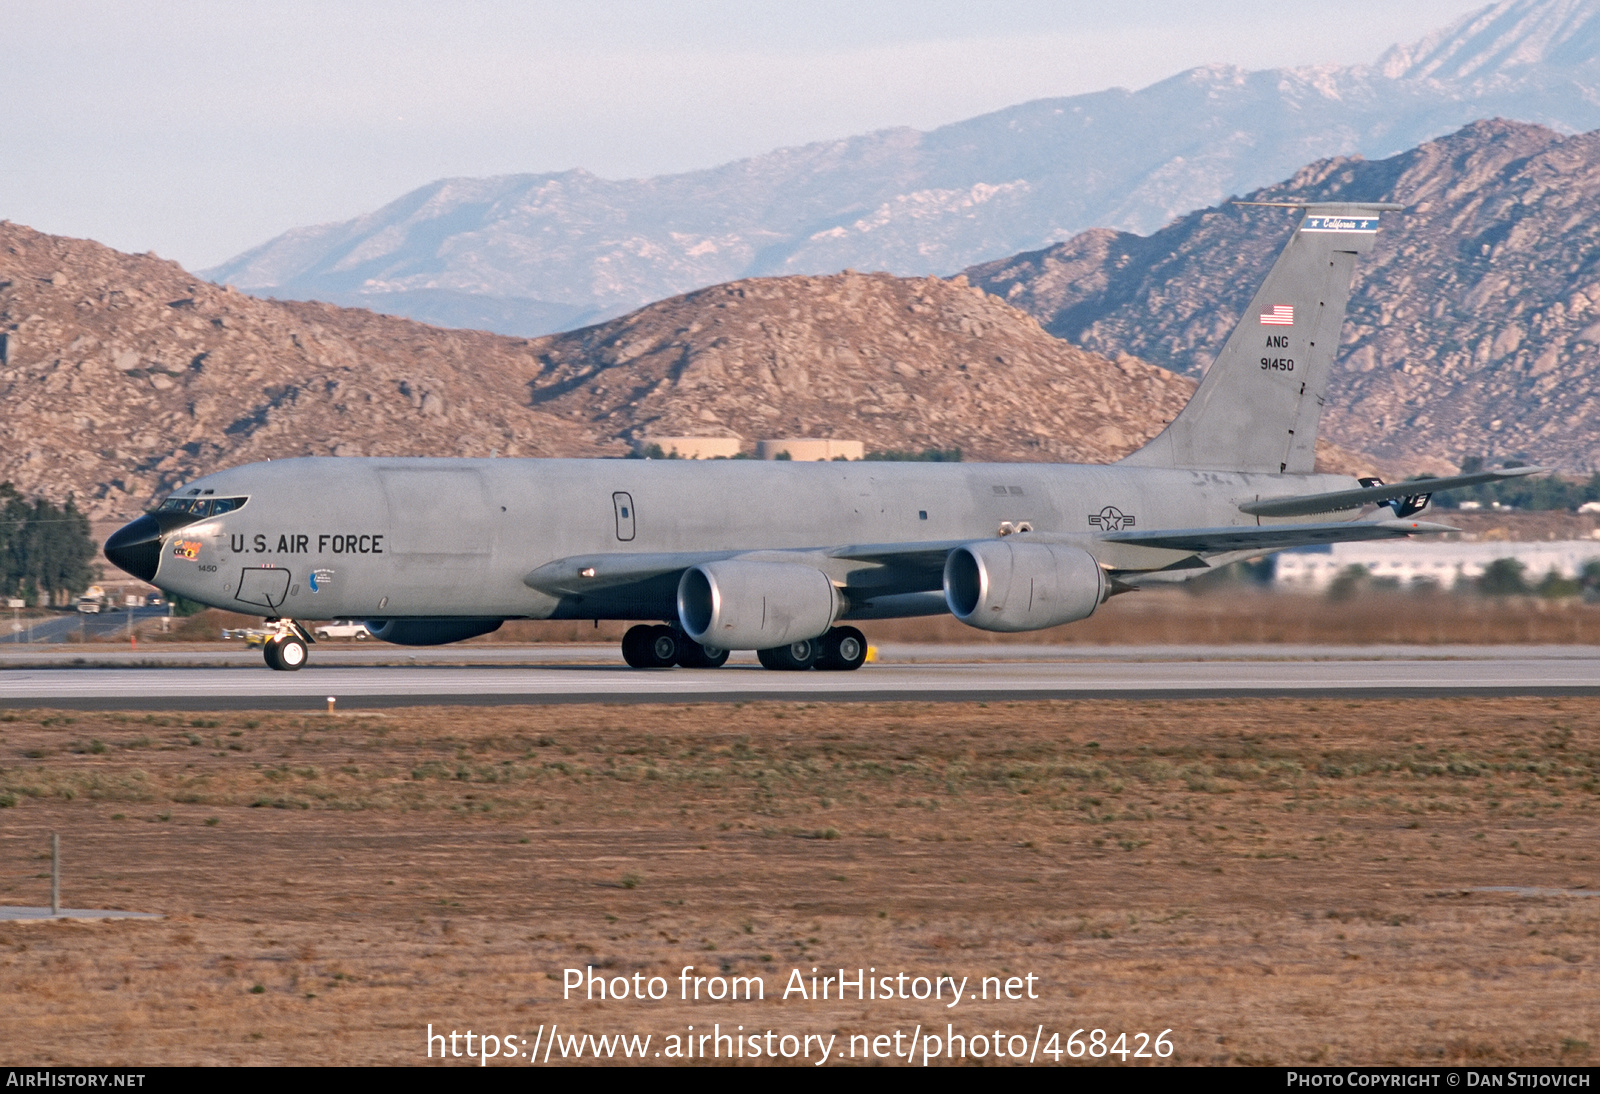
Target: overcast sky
[(199, 129)]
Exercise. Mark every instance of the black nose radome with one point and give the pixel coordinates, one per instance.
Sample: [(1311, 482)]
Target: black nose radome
[(136, 548)]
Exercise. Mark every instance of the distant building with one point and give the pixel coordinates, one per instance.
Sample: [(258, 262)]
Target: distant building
[(795, 448), (808, 448), (694, 448), (1444, 563)]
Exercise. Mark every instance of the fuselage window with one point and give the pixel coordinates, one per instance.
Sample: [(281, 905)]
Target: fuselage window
[(623, 504)]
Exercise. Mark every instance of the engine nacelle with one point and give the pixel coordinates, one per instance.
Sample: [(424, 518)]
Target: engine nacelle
[(1007, 585), (431, 632), (735, 605)]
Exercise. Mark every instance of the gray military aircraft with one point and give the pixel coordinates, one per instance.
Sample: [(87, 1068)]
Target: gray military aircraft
[(781, 557)]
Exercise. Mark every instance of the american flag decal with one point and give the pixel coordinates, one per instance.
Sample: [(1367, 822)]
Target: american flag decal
[(1279, 315)]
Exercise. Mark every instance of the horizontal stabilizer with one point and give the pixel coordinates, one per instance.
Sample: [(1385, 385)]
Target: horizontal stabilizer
[(1304, 505), (1275, 537)]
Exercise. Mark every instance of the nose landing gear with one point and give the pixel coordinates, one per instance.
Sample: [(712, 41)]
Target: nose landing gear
[(286, 650)]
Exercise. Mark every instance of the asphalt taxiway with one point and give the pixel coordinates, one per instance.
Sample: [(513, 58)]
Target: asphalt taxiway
[(374, 676)]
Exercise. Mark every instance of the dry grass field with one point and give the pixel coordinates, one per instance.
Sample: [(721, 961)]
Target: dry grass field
[(1279, 881)]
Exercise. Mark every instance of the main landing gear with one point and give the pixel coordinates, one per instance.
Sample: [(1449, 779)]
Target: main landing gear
[(842, 649), (661, 647), (286, 649)]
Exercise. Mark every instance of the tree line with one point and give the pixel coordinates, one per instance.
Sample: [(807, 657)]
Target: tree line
[(45, 549)]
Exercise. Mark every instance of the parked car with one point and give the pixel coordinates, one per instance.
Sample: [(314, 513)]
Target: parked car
[(342, 628)]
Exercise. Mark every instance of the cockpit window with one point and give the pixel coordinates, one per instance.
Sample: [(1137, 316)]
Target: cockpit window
[(201, 507)]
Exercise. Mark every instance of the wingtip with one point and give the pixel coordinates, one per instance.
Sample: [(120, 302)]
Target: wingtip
[(1420, 527)]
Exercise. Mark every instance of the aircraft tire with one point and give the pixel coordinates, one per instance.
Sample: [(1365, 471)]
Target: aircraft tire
[(636, 647), (692, 655), (664, 644), (794, 657), (290, 654), (269, 654), (843, 649)]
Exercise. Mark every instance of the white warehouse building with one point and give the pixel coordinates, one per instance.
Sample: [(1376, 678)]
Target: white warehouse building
[(1444, 562)]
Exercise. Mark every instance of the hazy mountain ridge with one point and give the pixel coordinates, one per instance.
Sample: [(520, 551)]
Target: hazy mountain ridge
[(1499, 43), (568, 247), (1473, 327)]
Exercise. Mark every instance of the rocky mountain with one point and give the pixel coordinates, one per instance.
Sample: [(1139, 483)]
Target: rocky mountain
[(903, 363), (121, 375), (1474, 327), (527, 254)]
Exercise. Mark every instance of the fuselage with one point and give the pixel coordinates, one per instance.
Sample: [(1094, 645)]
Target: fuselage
[(326, 538), (776, 556)]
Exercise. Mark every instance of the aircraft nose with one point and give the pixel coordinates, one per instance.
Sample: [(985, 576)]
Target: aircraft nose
[(136, 548)]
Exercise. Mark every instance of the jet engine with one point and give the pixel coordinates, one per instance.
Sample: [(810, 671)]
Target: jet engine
[(1007, 585), (735, 605), (431, 632)]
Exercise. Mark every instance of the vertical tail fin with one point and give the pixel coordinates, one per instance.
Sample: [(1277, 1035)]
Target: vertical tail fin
[(1258, 406)]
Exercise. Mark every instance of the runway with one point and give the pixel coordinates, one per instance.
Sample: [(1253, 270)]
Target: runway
[(487, 675)]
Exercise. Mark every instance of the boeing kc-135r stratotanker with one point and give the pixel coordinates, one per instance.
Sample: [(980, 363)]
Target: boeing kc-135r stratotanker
[(780, 557)]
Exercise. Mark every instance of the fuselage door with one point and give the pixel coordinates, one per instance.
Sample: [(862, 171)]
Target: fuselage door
[(623, 503), (263, 586)]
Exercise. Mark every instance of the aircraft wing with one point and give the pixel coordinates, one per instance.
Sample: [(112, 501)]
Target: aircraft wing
[(1305, 505), (581, 574), (914, 556), (1272, 537), (910, 566)]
